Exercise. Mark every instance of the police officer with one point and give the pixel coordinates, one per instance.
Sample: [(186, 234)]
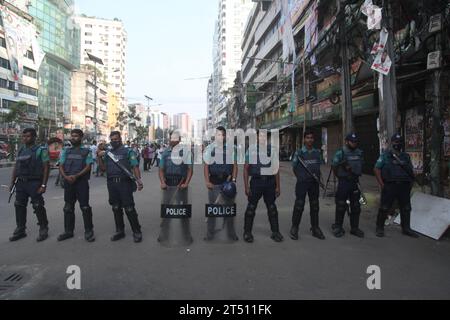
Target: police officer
[(75, 168), (347, 166), (121, 186), (261, 185), (175, 175), (31, 171), (216, 174), (307, 184), (395, 175)]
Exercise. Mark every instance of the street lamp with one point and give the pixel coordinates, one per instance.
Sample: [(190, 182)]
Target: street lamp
[(96, 61)]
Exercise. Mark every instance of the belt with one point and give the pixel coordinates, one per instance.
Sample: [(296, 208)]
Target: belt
[(263, 178), (398, 182), (118, 180), (26, 179)]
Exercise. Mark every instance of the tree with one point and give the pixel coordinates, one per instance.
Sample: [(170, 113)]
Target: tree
[(127, 118), (13, 118), (142, 134)]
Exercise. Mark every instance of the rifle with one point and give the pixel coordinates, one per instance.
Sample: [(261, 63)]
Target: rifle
[(13, 190), (310, 173), (121, 167), (403, 166), (363, 199)]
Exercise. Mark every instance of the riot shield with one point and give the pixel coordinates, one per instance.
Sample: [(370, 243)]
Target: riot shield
[(220, 229), (175, 225)]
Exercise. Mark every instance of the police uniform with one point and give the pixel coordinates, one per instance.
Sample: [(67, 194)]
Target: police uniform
[(29, 171), (74, 160), (121, 189), (398, 180), (175, 168), (261, 186), (349, 169), (219, 173), (307, 185)]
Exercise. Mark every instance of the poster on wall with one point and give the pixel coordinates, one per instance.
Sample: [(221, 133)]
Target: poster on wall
[(414, 138)]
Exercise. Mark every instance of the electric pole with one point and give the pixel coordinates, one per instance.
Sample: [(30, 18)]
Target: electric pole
[(346, 105), (388, 92)]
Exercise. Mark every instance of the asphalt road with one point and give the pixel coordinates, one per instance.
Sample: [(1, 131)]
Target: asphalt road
[(307, 269)]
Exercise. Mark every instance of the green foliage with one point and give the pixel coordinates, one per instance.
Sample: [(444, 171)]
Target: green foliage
[(142, 133), (129, 118)]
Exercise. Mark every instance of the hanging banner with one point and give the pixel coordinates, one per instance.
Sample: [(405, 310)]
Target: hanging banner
[(311, 32), (20, 36), (382, 63)]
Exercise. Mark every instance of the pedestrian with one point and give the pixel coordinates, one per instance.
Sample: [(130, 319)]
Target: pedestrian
[(175, 174), (307, 184), (262, 185), (146, 157), (121, 186), (216, 175), (31, 171), (152, 155), (395, 175), (75, 168), (138, 153), (94, 149), (347, 166), (159, 153), (101, 148)]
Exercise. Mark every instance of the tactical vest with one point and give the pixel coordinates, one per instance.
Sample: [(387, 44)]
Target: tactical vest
[(312, 161), (393, 171), (172, 169), (75, 161), (112, 169), (223, 169), (255, 169), (28, 165), (353, 159)]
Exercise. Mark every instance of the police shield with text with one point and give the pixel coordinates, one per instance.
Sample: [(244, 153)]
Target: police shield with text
[(347, 166), (220, 178), (121, 185), (75, 168), (30, 177), (306, 164), (175, 174), (261, 185), (395, 175)]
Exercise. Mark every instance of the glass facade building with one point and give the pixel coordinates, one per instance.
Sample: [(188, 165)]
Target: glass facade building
[(60, 39)]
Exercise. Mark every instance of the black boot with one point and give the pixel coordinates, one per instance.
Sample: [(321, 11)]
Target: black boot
[(405, 216), (341, 209), (316, 232), (69, 223), (134, 223), (41, 215), (120, 225), (296, 219), (88, 225), (248, 224), (354, 222), (21, 221), (381, 220), (274, 226)]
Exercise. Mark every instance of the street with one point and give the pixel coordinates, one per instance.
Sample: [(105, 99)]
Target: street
[(307, 269)]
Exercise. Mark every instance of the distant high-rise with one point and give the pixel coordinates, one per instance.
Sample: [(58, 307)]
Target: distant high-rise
[(107, 40), (229, 28), (183, 122)]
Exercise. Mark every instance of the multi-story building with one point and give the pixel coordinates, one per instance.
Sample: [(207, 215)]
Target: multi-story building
[(227, 52), (418, 79), (201, 128), (183, 122), (60, 39), (209, 102), (83, 105), (19, 86), (107, 40)]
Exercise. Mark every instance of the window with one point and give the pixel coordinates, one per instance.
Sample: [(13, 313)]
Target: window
[(88, 25), (2, 42), (88, 42), (30, 73), (29, 55), (4, 63), (88, 34)]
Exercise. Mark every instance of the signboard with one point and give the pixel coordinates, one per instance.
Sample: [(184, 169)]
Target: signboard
[(220, 211), (176, 211)]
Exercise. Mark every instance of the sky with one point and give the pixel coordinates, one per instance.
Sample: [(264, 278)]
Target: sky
[(168, 42)]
